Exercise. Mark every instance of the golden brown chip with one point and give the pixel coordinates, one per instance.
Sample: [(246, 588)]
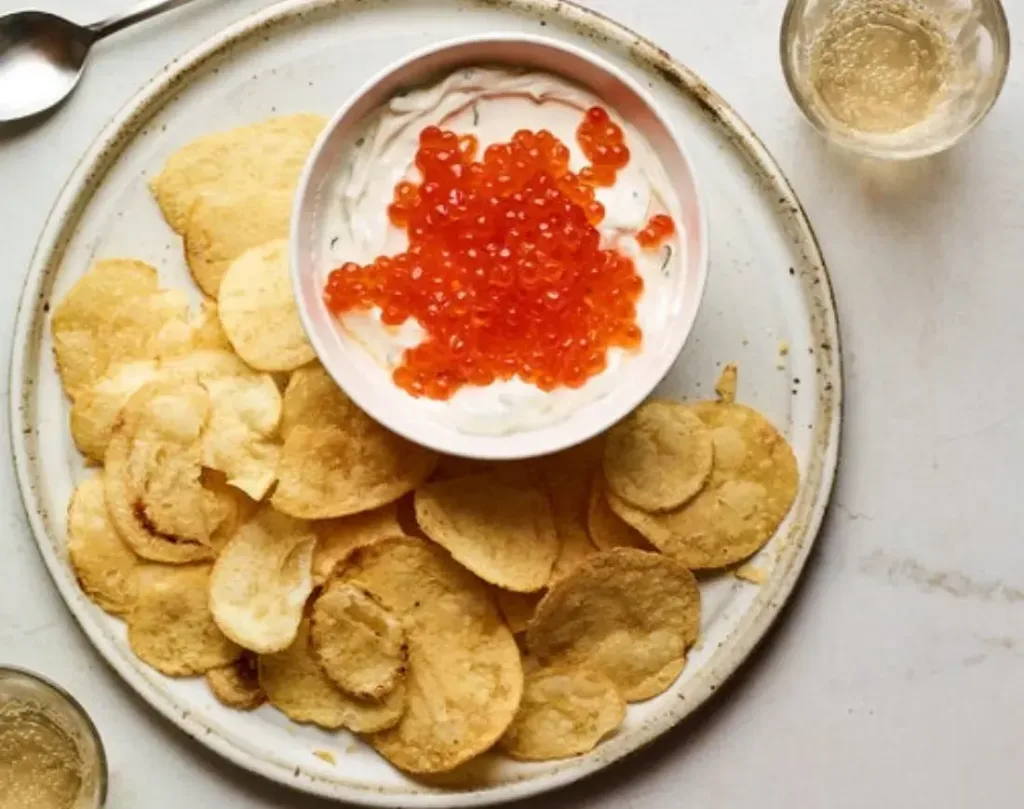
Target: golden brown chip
[(517, 608), (202, 333), (112, 315), (170, 627), (574, 547), (629, 614), (359, 644), (296, 685), (658, 457), (263, 157), (201, 365), (725, 387), (566, 475), (503, 532), (223, 226), (336, 460), (238, 685), (261, 581), (258, 312), (313, 399), (571, 469), (239, 438), (606, 528), (97, 406), (330, 471), (750, 492), (565, 712), (105, 567), (153, 481), (465, 677), (228, 508), (337, 538), (751, 573)]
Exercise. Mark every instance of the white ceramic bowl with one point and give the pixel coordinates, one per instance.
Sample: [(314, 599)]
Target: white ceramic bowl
[(364, 379)]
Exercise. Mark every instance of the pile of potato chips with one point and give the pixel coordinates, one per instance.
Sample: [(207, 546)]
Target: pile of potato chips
[(252, 525)]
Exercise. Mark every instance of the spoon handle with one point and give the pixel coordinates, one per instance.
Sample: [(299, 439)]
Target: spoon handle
[(137, 13)]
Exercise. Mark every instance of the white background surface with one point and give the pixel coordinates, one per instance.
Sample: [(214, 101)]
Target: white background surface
[(896, 677)]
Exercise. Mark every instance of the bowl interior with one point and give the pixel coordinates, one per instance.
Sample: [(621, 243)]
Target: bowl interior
[(367, 382)]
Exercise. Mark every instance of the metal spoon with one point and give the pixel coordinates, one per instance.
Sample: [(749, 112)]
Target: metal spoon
[(42, 56)]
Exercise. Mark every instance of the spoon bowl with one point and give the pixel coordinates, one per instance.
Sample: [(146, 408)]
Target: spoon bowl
[(42, 57)]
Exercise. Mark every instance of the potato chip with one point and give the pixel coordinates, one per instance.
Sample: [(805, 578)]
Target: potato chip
[(223, 226), (95, 409), (153, 475), (574, 546), (264, 157), (202, 333), (227, 507), (261, 581), (207, 333), (750, 492), (359, 644), (517, 608), (503, 532), (607, 530), (106, 569), (239, 438), (571, 469), (565, 712), (628, 614), (725, 387), (313, 399), (658, 457), (110, 316), (237, 685), (752, 574), (170, 627), (337, 538), (296, 685), (330, 471), (258, 312), (204, 365), (566, 475), (465, 677)]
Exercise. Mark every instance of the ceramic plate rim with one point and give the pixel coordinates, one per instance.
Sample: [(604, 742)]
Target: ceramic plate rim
[(769, 601)]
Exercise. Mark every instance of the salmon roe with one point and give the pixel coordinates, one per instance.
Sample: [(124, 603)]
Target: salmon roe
[(504, 270), (656, 231)]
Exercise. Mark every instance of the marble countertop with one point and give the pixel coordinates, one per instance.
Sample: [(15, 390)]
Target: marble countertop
[(896, 675)]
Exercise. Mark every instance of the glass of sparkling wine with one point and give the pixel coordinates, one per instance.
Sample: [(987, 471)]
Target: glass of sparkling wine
[(895, 78)]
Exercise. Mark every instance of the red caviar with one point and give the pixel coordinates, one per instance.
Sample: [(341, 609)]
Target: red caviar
[(658, 228), (504, 269)]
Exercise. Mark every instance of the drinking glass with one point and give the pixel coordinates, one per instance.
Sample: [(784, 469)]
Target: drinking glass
[(895, 78)]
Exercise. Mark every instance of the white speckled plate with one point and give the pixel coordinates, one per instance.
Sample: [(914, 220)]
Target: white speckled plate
[(767, 285)]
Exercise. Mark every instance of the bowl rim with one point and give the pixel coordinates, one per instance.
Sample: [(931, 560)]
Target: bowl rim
[(514, 445), (76, 707)]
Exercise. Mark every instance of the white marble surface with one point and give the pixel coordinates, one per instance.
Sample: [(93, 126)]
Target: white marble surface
[(896, 677)]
